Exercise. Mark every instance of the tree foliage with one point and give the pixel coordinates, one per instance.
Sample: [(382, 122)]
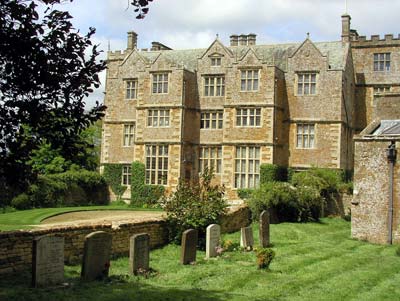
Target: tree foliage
[(46, 70)]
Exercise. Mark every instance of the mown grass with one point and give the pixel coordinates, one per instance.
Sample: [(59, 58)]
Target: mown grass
[(26, 219), (314, 261)]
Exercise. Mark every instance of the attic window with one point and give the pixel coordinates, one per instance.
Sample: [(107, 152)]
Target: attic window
[(215, 61)]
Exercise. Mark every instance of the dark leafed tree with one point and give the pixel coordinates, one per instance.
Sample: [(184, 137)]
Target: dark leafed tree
[(46, 70), (141, 7)]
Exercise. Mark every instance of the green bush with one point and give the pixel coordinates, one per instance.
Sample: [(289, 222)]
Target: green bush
[(290, 203), (264, 257), (244, 193), (138, 192), (272, 173), (323, 179), (113, 176), (194, 205), (71, 188)]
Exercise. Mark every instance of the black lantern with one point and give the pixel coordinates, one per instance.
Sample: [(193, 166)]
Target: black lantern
[(391, 152)]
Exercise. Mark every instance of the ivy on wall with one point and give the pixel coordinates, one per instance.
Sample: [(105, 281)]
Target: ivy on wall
[(113, 175)]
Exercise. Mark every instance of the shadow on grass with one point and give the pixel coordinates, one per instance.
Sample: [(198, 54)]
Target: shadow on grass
[(116, 288)]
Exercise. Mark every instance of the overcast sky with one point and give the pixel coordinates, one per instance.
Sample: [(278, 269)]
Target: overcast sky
[(182, 24)]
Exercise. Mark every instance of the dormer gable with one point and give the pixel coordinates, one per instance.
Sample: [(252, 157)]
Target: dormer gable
[(250, 58), (307, 49), (162, 63), (217, 48), (307, 57)]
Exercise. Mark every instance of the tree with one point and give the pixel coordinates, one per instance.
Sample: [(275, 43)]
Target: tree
[(46, 70), (141, 7)]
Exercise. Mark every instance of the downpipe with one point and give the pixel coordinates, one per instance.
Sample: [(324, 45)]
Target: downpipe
[(391, 153)]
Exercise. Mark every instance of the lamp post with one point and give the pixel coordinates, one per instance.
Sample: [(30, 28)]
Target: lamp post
[(391, 154)]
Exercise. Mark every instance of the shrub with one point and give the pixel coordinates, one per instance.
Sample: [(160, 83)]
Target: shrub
[(229, 245), (272, 173), (264, 257), (21, 202), (244, 193), (113, 176), (194, 205), (323, 179)]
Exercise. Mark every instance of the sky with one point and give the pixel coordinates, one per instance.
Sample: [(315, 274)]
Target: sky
[(183, 24)]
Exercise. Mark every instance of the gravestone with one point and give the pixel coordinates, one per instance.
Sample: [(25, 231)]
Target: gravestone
[(139, 249), (246, 238), (96, 256), (188, 246), (264, 229), (47, 261), (212, 240)]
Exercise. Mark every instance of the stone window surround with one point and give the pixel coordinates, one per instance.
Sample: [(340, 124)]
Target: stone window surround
[(251, 113), (214, 85), (309, 134), (252, 80), (247, 167), (382, 62), (160, 81), (210, 156), (156, 164), (296, 83), (128, 134), (126, 175), (131, 91), (211, 116), (381, 89), (158, 118)]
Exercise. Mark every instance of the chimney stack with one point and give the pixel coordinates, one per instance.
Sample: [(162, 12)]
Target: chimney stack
[(346, 28), (234, 40), (242, 40), (132, 40), (251, 39)]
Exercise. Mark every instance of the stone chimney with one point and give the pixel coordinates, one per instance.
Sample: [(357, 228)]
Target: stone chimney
[(234, 40), (132, 40), (346, 28), (243, 40), (251, 39)]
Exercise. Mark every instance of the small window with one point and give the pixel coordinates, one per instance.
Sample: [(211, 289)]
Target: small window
[(211, 158), (131, 89), (158, 118), (129, 134), (126, 175), (249, 80), (214, 85), (211, 120), (215, 61), (381, 89), (306, 83), (160, 83), (381, 61), (305, 135), (248, 117)]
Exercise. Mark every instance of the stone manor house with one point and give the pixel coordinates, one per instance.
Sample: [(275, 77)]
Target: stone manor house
[(234, 107)]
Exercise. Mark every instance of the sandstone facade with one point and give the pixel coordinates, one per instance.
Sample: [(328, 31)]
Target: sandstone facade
[(238, 106)]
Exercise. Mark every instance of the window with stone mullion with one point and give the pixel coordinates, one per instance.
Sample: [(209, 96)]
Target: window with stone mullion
[(249, 80), (247, 167), (160, 83), (214, 85), (211, 158), (381, 61), (129, 132), (131, 89), (157, 164), (126, 175)]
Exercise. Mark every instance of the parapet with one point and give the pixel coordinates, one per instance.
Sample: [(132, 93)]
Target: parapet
[(116, 55), (376, 41)]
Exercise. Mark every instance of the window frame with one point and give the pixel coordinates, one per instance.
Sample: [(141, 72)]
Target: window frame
[(249, 80), (131, 91), (126, 175), (210, 156), (311, 143), (240, 118), (247, 167), (382, 61), (156, 164), (160, 120), (207, 118), (309, 83), (160, 81), (212, 85), (381, 89), (216, 61), (128, 135)]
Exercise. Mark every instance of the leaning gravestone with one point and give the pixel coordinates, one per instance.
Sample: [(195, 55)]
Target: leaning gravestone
[(246, 238), (96, 256), (212, 240), (264, 229), (188, 246), (139, 249), (48, 261)]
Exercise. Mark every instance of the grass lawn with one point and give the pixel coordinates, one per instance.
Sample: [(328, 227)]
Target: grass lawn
[(314, 261), (24, 219)]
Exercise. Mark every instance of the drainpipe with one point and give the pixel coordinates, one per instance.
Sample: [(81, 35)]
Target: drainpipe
[(391, 156)]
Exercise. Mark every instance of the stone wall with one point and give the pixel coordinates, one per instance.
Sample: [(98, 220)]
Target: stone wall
[(16, 246)]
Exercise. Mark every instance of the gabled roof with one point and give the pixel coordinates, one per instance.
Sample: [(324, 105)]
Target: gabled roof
[(275, 54), (387, 128)]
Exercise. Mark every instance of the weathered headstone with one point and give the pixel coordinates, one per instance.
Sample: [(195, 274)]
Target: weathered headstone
[(264, 229), (139, 250), (96, 256), (47, 261), (213, 234), (188, 246), (246, 238)]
